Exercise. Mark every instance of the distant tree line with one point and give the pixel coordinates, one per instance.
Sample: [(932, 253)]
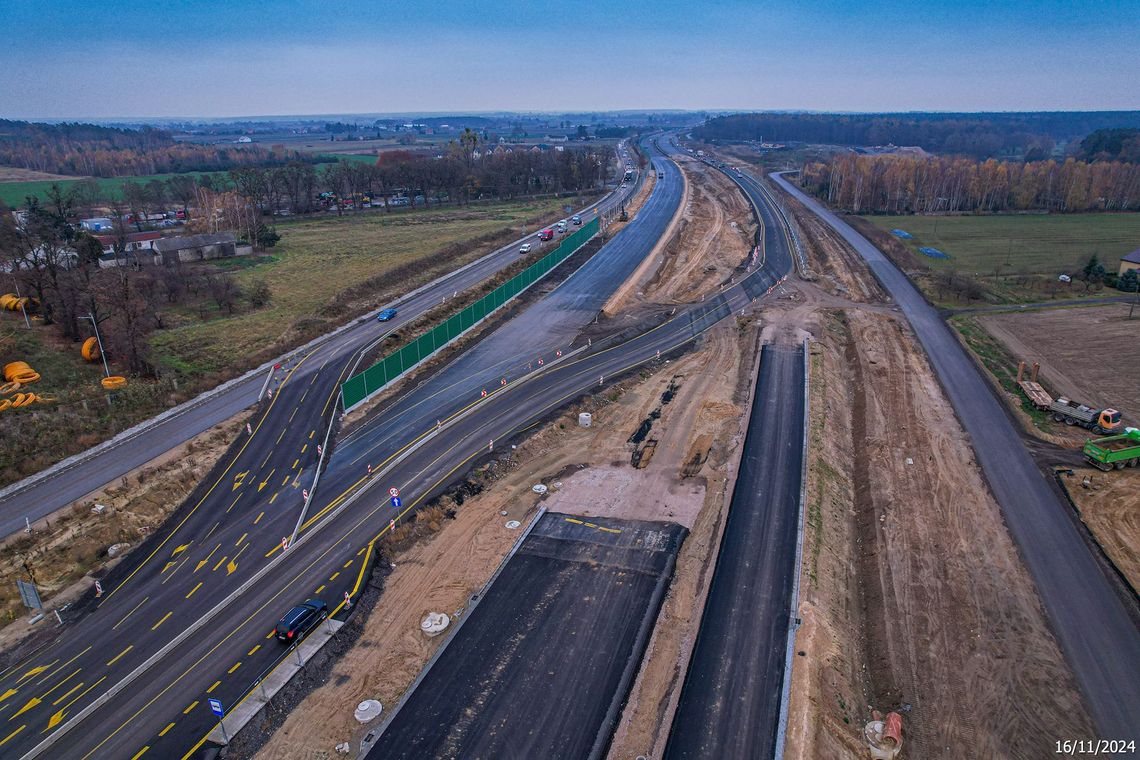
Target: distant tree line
[(1112, 145), (91, 150), (903, 184), (980, 135)]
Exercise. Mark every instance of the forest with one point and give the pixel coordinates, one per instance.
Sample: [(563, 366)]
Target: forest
[(1030, 136), (903, 184), (89, 150)]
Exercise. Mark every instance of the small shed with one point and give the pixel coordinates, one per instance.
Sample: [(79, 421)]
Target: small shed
[(1130, 261), (218, 245)]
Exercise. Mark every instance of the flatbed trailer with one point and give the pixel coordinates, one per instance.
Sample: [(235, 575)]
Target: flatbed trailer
[(1032, 389)]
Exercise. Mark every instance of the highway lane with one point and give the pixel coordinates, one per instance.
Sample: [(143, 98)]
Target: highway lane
[(219, 541), (37, 498), (1091, 621), (730, 700), (199, 666)]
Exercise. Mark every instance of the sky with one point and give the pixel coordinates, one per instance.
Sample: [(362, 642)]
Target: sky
[(123, 59)]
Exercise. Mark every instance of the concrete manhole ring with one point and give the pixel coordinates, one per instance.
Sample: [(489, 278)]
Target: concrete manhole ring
[(513, 524)]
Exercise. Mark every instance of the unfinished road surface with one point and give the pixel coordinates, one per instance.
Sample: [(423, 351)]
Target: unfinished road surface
[(730, 702), (1091, 616), (545, 660)]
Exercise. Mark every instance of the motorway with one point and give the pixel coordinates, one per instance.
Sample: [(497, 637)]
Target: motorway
[(189, 622), (1090, 617), (37, 497), (730, 700)]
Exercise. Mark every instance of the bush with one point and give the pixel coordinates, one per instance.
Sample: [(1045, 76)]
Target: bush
[(259, 293)]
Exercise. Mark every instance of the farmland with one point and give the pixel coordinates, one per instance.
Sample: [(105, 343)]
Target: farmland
[(1012, 258)]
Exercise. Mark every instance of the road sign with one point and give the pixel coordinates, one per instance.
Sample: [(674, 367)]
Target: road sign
[(305, 494), (396, 502), (284, 543), (393, 491), (98, 589), (216, 706)]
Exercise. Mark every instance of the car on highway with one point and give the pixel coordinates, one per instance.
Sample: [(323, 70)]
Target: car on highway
[(524, 248), (385, 315), (577, 219), (547, 234), (300, 620)]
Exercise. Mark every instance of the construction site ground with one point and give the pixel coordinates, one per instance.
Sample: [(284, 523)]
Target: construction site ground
[(913, 597), (1109, 504)]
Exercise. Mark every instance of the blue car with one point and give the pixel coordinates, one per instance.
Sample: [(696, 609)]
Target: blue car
[(385, 315)]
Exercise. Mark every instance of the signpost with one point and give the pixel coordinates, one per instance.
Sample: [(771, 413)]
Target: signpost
[(29, 595), (396, 502), (393, 491), (217, 709)]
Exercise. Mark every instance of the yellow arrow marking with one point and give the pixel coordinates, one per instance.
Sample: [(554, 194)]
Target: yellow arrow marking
[(31, 703), (33, 672), (239, 479), (201, 563), (54, 720), (7, 694), (231, 567), (178, 550), (168, 566)]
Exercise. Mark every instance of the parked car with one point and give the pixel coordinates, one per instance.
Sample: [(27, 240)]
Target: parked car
[(385, 315), (300, 620), (524, 248)]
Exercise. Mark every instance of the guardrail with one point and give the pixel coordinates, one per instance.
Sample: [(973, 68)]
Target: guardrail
[(363, 385)]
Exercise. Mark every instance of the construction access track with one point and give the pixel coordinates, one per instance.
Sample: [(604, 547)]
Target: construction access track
[(1092, 617)]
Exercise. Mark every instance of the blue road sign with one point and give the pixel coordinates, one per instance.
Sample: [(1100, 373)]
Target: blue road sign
[(396, 502), (216, 706)]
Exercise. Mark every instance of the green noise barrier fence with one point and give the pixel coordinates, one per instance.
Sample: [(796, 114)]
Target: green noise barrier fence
[(362, 385)]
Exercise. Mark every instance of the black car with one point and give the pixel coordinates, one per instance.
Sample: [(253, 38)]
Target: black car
[(301, 619)]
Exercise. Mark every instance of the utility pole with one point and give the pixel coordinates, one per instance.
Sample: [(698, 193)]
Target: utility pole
[(99, 339), (23, 310)]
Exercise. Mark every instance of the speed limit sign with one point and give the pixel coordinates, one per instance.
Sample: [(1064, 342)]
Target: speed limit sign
[(393, 491)]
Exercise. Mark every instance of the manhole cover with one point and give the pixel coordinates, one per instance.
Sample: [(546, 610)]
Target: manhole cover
[(513, 524)]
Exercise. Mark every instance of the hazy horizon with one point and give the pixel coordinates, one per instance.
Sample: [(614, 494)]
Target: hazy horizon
[(214, 60)]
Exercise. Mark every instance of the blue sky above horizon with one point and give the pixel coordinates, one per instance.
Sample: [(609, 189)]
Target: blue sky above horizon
[(71, 59)]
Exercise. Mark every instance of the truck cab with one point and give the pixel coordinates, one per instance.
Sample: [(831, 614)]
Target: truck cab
[(547, 234), (1109, 420)]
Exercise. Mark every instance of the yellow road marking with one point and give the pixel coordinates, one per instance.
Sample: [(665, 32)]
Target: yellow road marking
[(54, 720), (233, 503), (273, 498), (251, 652), (160, 622), (202, 563), (311, 434), (243, 535), (347, 565), (120, 654), (70, 691), (261, 486), (212, 530), (30, 704), (85, 692), (231, 568), (124, 618), (167, 566), (572, 520), (194, 589), (270, 634), (166, 730), (333, 577), (43, 680), (36, 671), (235, 667), (283, 431), (291, 416), (304, 447), (239, 479), (258, 518), (215, 567), (285, 481), (266, 460), (191, 707), (212, 487), (9, 736), (141, 752), (208, 691), (61, 683), (295, 463)]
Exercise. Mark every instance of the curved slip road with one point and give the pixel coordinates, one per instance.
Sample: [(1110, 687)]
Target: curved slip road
[(1090, 619)]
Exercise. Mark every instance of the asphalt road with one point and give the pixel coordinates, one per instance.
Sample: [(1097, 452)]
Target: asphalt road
[(730, 700), (192, 621), (220, 542), (37, 498), (552, 647), (1089, 616)]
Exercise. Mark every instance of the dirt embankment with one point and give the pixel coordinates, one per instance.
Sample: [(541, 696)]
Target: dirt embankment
[(913, 597)]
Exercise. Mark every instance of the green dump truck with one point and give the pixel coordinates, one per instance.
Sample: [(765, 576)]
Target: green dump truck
[(1117, 451)]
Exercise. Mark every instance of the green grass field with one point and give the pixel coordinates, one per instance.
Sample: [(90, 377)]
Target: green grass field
[(317, 259), (1044, 244)]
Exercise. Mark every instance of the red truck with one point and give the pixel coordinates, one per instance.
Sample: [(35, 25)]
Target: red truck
[(547, 234)]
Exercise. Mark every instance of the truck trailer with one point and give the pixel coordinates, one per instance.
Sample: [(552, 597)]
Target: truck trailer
[(1115, 451), (1072, 413)]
